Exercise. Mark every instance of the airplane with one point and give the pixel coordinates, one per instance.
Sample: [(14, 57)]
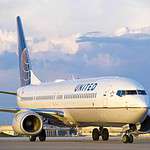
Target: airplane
[(100, 102)]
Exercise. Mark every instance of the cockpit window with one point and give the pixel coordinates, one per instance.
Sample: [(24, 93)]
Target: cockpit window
[(130, 92), (120, 93), (141, 92)]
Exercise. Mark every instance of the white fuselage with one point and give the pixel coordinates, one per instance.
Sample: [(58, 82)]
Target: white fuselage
[(92, 101)]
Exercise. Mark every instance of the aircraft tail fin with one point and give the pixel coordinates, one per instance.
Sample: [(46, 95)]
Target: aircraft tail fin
[(26, 75)]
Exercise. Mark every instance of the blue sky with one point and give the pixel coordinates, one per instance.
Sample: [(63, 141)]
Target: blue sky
[(81, 38)]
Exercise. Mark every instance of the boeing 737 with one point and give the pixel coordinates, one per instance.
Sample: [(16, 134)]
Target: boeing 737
[(100, 102)]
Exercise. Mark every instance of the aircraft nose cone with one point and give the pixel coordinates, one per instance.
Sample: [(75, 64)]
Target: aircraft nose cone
[(144, 102), (142, 107)]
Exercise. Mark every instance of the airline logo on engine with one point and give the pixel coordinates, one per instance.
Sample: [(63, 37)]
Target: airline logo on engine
[(85, 87)]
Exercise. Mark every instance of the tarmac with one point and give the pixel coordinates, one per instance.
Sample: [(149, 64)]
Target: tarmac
[(72, 143)]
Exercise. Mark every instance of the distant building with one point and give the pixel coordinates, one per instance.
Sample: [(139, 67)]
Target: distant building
[(50, 131), (58, 131)]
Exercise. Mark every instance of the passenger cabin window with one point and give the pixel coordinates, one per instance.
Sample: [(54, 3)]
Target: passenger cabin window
[(130, 92)]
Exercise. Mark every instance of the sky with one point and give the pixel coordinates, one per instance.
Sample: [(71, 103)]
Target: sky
[(75, 37)]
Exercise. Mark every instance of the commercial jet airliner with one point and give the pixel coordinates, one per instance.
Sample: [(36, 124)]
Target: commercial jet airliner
[(101, 102)]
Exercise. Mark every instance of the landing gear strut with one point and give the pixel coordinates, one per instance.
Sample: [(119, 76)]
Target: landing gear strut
[(103, 132)]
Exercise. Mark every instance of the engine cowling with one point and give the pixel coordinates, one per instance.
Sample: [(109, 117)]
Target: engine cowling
[(27, 123)]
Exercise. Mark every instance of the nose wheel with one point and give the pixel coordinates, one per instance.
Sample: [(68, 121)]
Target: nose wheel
[(127, 138)]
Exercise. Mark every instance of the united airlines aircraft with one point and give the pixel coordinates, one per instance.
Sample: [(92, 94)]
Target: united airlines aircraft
[(101, 102)]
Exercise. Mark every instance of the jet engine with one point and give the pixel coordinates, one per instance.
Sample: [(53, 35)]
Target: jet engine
[(27, 123)]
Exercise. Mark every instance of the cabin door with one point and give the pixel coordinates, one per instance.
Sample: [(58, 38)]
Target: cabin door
[(105, 98), (108, 96)]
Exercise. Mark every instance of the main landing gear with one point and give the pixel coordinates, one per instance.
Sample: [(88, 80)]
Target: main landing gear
[(32, 138), (41, 135), (103, 132)]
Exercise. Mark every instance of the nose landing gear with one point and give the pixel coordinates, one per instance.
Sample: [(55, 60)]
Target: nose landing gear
[(127, 138)]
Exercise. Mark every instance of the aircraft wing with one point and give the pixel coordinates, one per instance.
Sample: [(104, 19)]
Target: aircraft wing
[(56, 117), (8, 92), (53, 114), (48, 112), (9, 110), (42, 112)]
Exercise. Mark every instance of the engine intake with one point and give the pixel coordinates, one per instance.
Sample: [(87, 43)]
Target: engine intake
[(29, 123)]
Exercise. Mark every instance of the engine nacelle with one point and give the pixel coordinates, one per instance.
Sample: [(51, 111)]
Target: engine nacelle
[(27, 123)]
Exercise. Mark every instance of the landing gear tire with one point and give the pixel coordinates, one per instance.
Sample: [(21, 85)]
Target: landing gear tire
[(130, 138), (105, 134), (42, 135), (95, 134), (32, 138), (127, 138)]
